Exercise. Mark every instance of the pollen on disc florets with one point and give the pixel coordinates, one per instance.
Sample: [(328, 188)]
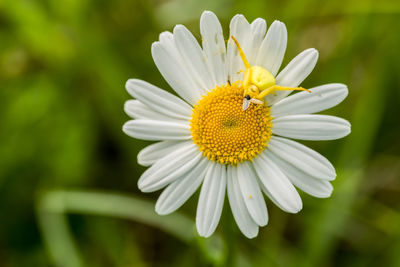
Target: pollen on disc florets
[(224, 132)]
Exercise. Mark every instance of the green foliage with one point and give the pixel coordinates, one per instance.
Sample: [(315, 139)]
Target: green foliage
[(63, 66)]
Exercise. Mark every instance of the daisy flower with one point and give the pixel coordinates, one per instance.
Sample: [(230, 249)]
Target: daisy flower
[(231, 128)]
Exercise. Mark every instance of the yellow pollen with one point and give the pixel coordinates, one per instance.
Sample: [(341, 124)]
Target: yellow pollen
[(224, 132)]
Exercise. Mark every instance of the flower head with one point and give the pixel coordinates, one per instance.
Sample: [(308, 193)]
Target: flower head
[(229, 130)]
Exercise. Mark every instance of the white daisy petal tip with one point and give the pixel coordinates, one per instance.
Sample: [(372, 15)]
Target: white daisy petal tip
[(314, 53), (156, 130), (130, 85), (160, 210), (309, 56), (238, 17), (251, 235), (311, 127), (141, 186), (297, 70), (127, 107), (297, 209), (328, 195), (239, 210), (273, 47), (170, 168), (349, 128), (276, 185), (280, 25), (158, 100), (252, 195), (152, 153), (313, 186), (318, 99), (207, 13), (126, 127), (302, 157), (259, 26), (176, 194), (180, 30), (211, 200)]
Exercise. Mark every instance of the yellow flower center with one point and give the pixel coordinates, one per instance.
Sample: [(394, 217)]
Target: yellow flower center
[(224, 132)]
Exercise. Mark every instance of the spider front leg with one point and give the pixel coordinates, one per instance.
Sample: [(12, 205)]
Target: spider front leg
[(272, 89), (262, 94)]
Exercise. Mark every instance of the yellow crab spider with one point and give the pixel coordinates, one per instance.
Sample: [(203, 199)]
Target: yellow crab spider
[(258, 82)]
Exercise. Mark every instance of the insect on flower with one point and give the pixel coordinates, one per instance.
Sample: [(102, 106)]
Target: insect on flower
[(230, 130), (258, 82)]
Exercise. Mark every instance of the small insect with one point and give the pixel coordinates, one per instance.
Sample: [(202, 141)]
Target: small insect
[(258, 82)]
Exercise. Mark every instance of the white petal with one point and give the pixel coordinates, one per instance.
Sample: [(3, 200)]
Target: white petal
[(251, 194), (193, 57), (298, 69), (258, 28), (303, 158), (176, 194), (273, 47), (314, 187), (321, 98), (150, 154), (167, 40), (158, 99), (170, 168), (239, 210), (311, 127), (211, 200), (157, 130), (137, 110), (276, 185), (173, 69), (240, 29), (214, 47), (294, 73)]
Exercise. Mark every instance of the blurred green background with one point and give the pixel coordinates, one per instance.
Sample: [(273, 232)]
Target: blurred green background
[(68, 174)]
